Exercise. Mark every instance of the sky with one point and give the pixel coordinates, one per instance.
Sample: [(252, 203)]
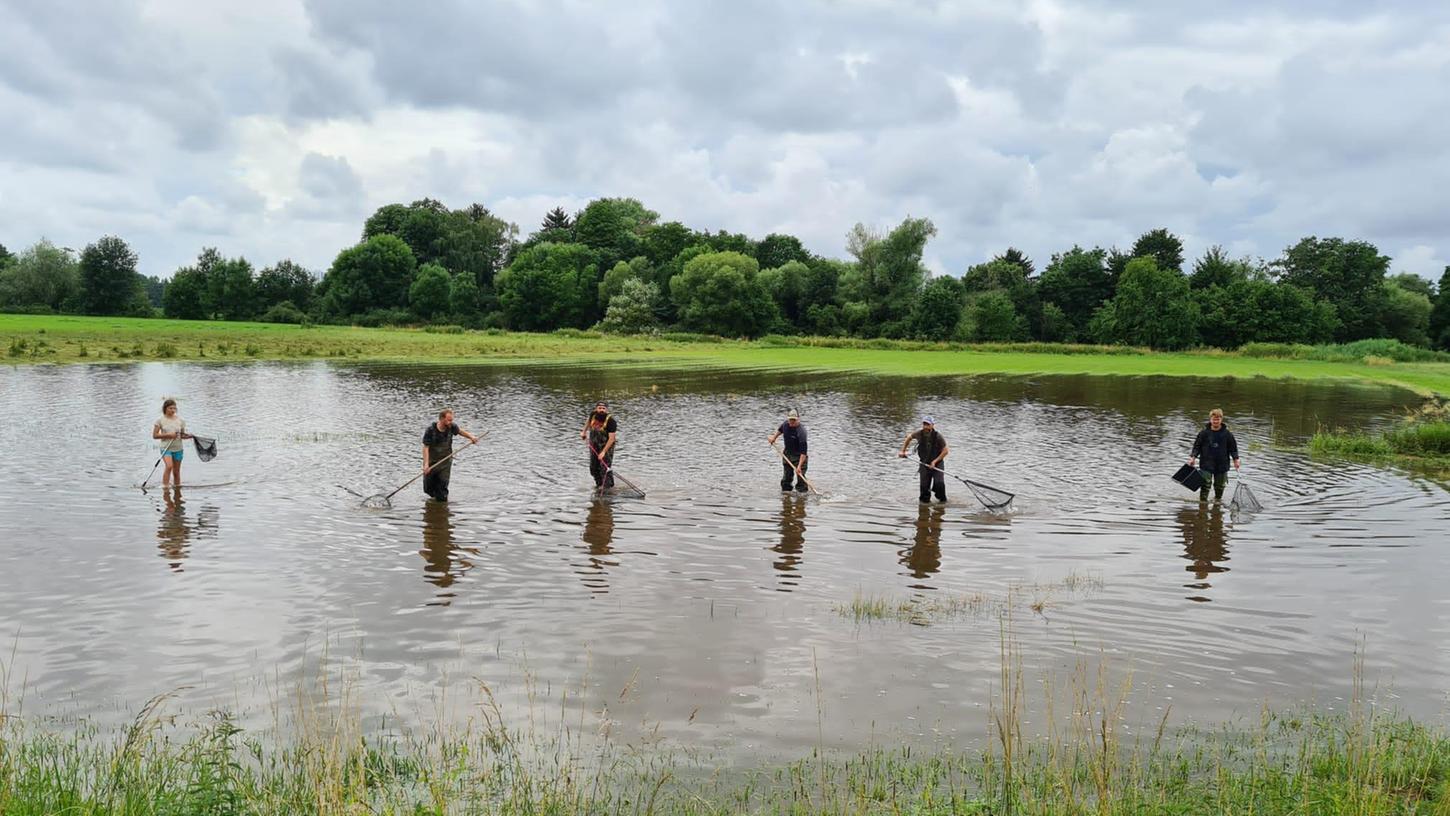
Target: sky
[(271, 129)]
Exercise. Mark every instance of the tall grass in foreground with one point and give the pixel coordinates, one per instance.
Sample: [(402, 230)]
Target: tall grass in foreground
[(1361, 761)]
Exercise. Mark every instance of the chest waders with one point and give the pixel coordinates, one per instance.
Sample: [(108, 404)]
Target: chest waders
[(598, 438)]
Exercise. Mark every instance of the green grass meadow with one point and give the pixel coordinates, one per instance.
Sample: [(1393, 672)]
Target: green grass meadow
[(28, 339)]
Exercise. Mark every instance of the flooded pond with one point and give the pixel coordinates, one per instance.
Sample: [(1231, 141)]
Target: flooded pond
[(708, 613)]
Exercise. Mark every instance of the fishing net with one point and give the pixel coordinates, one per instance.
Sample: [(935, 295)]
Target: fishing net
[(623, 487), (377, 501), (993, 498), (205, 448), (1243, 499)]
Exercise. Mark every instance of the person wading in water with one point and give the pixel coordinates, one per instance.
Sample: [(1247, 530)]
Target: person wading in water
[(931, 449), (795, 452), (437, 447), (170, 428), (601, 431), (1216, 447)]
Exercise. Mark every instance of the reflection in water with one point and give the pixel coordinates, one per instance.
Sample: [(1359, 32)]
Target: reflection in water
[(923, 558), (443, 562), (1204, 543), (174, 533), (792, 541), (598, 536)]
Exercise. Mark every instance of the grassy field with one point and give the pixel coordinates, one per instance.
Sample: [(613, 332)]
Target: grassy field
[(68, 339)]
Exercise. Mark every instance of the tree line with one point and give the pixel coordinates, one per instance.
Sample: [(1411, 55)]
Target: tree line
[(616, 267)]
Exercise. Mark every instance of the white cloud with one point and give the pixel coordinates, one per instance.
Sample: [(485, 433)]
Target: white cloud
[(273, 130)]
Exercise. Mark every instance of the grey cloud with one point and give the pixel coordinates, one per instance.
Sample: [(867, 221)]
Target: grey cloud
[(317, 85), (331, 190)]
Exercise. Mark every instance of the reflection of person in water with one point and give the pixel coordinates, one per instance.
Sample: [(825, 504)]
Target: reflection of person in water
[(923, 558), (1205, 544), (443, 564), (792, 540), (598, 536), (173, 534)]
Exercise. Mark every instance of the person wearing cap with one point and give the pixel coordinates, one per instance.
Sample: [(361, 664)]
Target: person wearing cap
[(600, 432), (931, 449), (795, 452)]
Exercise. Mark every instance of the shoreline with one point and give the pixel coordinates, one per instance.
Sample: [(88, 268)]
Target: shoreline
[(63, 339)]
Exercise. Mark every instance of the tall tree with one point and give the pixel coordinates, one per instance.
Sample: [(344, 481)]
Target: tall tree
[(938, 309), (43, 275), (1015, 256), (717, 293), (549, 286), (110, 284), (789, 286), (1215, 268), (557, 219), (6, 258), (892, 271), (1162, 246), (1348, 274), (428, 295), (1152, 307), (374, 274), (1440, 314), (1077, 282), (1405, 314), (776, 250), (285, 281)]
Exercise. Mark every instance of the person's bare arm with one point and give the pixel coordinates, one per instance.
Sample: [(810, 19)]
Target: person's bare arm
[(905, 445), (472, 440), (945, 449), (609, 446), (771, 439), (426, 466)]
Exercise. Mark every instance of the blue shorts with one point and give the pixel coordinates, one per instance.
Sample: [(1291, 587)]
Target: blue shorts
[(175, 455)]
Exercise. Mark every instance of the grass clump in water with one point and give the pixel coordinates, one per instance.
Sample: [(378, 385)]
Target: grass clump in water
[(923, 610)]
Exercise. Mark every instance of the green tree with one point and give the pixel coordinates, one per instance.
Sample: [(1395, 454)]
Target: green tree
[(633, 309), (235, 289), (428, 295), (1077, 281), (723, 241), (471, 240), (43, 275), (994, 319), (1055, 327), (186, 297), (1348, 274), (285, 281), (612, 283), (557, 219), (110, 284), (789, 286), (1162, 246), (717, 293), (776, 250), (662, 243), (463, 298), (1410, 282), (938, 309), (374, 274), (614, 228), (1256, 310), (1152, 307), (891, 271), (1215, 268), (1016, 257), (1405, 314), (6, 258), (1440, 314), (549, 286)]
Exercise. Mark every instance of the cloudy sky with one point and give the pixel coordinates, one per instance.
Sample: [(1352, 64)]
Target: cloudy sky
[(272, 128)]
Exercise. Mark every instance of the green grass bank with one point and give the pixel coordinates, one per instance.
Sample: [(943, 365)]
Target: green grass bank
[(26, 339), (1359, 762)]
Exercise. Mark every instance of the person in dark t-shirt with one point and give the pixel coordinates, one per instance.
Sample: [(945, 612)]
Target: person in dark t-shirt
[(796, 454), (600, 432), (931, 449), (437, 453)]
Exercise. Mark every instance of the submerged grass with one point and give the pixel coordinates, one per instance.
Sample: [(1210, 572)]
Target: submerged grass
[(65, 339), (924, 610), (1421, 442)]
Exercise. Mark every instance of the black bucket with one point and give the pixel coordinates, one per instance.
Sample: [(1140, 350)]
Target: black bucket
[(1189, 476)]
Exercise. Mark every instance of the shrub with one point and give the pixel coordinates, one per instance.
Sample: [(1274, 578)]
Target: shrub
[(444, 328), (383, 317), (1421, 439), (284, 312), (577, 333)]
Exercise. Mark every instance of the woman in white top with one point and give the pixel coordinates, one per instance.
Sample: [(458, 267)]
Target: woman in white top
[(171, 429)]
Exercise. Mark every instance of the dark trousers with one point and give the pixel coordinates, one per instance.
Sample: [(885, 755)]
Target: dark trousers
[(932, 481), (603, 477), (1219, 482), (788, 473), (435, 484)]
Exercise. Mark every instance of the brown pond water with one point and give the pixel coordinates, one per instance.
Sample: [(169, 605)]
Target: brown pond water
[(714, 599)]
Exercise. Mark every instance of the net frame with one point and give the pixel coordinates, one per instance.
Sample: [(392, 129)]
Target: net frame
[(993, 498), (205, 447), (1243, 499)]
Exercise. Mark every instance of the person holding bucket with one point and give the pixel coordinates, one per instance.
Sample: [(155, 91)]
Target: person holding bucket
[(1215, 447)]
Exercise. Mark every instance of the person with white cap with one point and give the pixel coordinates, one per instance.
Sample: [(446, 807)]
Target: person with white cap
[(931, 449), (795, 452)]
